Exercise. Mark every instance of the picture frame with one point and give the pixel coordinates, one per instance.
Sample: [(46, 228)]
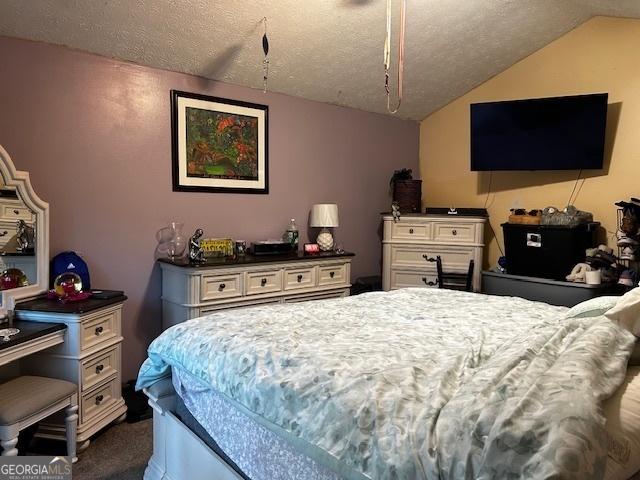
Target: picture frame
[(219, 145)]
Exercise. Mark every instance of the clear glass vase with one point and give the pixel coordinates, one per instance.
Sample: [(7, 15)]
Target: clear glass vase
[(171, 242), (178, 243)]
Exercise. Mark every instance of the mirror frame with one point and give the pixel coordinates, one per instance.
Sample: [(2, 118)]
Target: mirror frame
[(20, 180)]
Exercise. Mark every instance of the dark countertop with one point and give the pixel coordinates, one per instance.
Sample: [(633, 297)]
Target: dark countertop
[(254, 259), (29, 331), (44, 304)]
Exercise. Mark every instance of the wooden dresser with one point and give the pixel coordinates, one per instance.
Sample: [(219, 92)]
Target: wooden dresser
[(190, 291), (90, 357), (410, 247)]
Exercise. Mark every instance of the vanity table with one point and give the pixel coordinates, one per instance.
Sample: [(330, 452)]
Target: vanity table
[(77, 341), (32, 338)]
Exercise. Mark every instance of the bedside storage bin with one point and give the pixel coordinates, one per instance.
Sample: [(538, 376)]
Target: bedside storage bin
[(546, 251)]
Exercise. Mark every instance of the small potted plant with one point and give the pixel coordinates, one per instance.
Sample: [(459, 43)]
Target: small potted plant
[(406, 191)]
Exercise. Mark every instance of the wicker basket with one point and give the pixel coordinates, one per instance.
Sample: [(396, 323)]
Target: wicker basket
[(525, 219), (408, 194)]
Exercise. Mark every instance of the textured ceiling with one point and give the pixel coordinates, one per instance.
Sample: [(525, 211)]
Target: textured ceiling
[(325, 50)]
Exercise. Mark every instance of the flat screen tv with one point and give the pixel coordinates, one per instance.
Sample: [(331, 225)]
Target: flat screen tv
[(560, 133)]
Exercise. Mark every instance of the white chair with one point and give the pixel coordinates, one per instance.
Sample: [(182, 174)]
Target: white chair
[(27, 399)]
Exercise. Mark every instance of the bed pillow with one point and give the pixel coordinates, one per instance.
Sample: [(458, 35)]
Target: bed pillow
[(594, 307), (626, 313)]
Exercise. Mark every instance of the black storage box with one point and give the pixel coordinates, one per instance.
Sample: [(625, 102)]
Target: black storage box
[(546, 251)]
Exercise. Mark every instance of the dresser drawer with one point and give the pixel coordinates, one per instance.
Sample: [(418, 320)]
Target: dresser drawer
[(404, 279), (98, 367), (216, 287), (299, 278), (332, 274), (425, 256), (408, 231), (454, 232), (243, 303), (98, 330), (16, 212), (263, 282), (99, 399)]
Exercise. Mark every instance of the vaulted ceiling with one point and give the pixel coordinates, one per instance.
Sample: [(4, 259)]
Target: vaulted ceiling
[(324, 50)]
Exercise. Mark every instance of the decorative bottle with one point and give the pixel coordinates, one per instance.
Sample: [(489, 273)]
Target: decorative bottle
[(291, 234)]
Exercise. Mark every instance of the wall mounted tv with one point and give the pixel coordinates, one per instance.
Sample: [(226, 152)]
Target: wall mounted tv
[(560, 133)]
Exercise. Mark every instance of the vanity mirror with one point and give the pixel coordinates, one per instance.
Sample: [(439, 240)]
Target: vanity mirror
[(24, 237)]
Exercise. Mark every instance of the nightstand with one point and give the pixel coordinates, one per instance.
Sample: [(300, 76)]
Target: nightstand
[(90, 357)]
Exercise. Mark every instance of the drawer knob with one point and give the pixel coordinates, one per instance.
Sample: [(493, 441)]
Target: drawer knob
[(99, 369), (99, 399), (411, 230), (454, 232), (263, 282), (332, 274), (99, 330), (429, 282), (428, 258), (221, 287), (299, 278)]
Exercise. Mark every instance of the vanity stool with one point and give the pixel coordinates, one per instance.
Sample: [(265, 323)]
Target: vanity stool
[(28, 399)]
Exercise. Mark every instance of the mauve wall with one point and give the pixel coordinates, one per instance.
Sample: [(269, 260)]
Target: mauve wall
[(95, 135)]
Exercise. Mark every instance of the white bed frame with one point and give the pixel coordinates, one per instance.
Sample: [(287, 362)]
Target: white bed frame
[(178, 453)]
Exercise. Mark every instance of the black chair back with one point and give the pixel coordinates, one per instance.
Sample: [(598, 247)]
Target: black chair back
[(455, 281)]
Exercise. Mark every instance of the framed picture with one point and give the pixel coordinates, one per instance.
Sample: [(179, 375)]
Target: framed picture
[(218, 145)]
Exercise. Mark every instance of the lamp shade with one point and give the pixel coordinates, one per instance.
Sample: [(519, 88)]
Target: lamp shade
[(324, 215)]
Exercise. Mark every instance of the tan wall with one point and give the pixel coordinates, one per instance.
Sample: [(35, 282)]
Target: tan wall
[(602, 55)]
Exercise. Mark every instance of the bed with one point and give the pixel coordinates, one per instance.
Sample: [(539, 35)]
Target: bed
[(410, 384)]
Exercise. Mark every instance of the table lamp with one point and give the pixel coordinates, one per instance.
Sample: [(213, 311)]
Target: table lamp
[(324, 215)]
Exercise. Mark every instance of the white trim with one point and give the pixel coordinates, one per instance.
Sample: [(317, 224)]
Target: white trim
[(20, 180), (177, 451)]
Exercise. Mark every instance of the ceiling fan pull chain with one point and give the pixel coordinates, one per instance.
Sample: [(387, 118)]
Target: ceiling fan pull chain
[(265, 62), (387, 55)]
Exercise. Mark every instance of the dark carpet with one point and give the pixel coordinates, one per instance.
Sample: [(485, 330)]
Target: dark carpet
[(120, 452)]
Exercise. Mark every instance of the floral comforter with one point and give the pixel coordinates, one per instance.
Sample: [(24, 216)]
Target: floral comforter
[(415, 383)]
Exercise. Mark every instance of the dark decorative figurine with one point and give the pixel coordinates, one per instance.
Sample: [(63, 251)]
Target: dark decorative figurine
[(26, 237), (195, 250)]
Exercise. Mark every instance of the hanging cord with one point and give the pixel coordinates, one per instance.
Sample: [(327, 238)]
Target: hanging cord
[(265, 61), (387, 55), (575, 185), (486, 202)]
